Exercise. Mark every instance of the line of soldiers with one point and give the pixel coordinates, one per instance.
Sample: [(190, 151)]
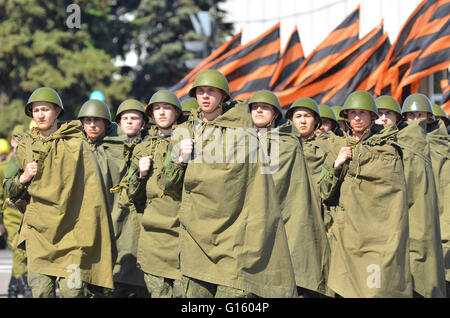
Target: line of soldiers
[(233, 198)]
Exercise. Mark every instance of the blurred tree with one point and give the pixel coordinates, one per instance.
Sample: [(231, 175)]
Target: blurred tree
[(38, 47), (164, 26)]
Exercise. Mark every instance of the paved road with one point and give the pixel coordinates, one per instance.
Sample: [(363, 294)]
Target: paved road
[(5, 271)]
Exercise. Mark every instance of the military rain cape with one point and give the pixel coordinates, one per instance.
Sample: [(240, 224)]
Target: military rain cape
[(300, 207), (369, 234), (158, 240), (111, 152), (66, 225), (231, 229), (425, 249), (437, 137)]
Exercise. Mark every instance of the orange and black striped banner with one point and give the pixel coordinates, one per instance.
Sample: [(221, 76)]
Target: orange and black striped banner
[(290, 60), (183, 86), (434, 49), (341, 38), (248, 68), (422, 28), (336, 75), (446, 95)]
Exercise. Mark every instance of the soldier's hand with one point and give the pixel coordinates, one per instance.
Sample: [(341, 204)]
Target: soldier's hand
[(29, 173), (344, 154), (186, 148), (2, 229), (144, 165)]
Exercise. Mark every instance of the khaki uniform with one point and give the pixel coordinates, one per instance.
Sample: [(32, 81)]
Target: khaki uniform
[(66, 228), (113, 154), (300, 208), (158, 241), (11, 218), (369, 231), (231, 230), (437, 137), (425, 249)]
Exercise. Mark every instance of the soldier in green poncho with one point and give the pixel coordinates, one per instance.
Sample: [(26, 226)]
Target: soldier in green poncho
[(329, 121), (300, 205), (11, 219), (426, 256), (232, 240), (65, 229), (418, 106), (107, 141), (158, 241), (364, 185)]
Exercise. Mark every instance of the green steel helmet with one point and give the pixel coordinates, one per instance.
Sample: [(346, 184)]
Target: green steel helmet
[(95, 108), (360, 100), (44, 94), (211, 78), (130, 104), (163, 96), (327, 112), (5, 147), (267, 97), (304, 102), (438, 111), (337, 112), (189, 104), (388, 102), (417, 103)]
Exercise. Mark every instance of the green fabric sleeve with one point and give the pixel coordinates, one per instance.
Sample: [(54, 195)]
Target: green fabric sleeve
[(329, 184)]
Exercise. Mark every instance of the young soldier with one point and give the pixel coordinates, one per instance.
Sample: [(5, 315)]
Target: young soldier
[(300, 207), (305, 115), (439, 113), (425, 251), (417, 106), (369, 229), (158, 242), (12, 217), (389, 110), (65, 228), (132, 120), (329, 121), (107, 141), (232, 238), (341, 121)]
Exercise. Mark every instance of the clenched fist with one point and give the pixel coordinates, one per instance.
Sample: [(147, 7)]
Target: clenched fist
[(186, 148), (29, 173), (144, 165), (344, 154)]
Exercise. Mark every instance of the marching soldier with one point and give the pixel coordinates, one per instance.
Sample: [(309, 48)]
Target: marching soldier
[(65, 228), (158, 241), (364, 185), (300, 206), (232, 238)]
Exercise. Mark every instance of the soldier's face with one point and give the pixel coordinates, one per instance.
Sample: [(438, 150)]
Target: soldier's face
[(262, 114), (387, 117), (94, 127), (359, 119), (416, 115), (342, 125), (44, 115), (164, 114), (304, 120), (132, 122), (327, 125), (208, 98)]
